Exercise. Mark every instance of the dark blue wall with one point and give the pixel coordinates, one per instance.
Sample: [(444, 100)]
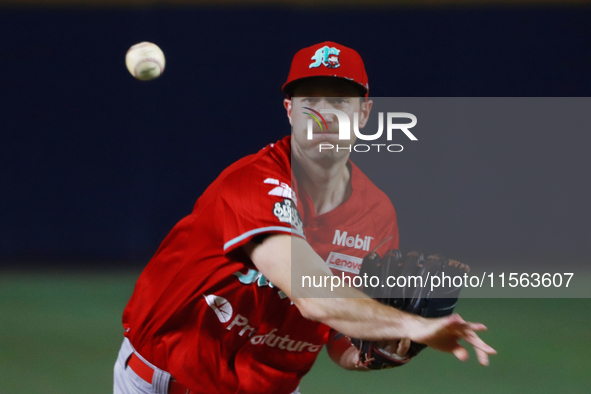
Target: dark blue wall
[(98, 166)]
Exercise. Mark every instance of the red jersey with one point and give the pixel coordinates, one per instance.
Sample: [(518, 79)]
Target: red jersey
[(201, 310)]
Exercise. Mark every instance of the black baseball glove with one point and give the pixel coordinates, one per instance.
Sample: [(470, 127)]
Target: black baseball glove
[(412, 294)]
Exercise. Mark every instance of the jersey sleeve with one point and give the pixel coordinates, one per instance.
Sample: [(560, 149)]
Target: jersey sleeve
[(255, 200)]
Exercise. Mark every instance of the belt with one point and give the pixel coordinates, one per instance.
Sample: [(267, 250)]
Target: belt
[(146, 372)]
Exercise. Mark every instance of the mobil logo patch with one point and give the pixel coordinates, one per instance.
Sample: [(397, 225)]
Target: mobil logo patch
[(357, 242), (344, 262)]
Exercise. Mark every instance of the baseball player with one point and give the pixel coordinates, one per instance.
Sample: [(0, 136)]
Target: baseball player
[(213, 310)]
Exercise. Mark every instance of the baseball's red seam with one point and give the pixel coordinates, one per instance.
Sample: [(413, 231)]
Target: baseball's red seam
[(148, 59), (137, 46)]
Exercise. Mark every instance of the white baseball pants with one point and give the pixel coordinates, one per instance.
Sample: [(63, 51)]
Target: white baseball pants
[(126, 381)]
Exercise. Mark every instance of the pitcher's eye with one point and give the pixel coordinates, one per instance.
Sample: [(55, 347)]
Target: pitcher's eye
[(311, 100), (338, 101)]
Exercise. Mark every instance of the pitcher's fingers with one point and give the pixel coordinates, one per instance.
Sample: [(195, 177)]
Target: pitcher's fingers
[(482, 356), (455, 321), (455, 318), (476, 326), (403, 347), (473, 339), (460, 353)]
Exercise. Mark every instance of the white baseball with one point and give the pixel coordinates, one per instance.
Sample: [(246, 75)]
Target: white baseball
[(145, 61)]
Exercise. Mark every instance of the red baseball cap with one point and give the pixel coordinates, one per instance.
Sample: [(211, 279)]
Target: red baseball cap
[(327, 59)]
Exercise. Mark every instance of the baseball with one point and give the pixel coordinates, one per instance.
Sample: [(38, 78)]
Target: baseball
[(145, 61)]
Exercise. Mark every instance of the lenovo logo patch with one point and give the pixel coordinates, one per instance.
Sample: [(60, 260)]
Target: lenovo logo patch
[(344, 262)]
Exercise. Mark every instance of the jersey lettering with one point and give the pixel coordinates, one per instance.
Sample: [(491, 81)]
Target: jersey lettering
[(271, 339), (255, 276), (286, 213), (344, 262), (356, 242)]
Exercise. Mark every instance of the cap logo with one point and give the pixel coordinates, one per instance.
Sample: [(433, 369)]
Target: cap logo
[(327, 56)]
